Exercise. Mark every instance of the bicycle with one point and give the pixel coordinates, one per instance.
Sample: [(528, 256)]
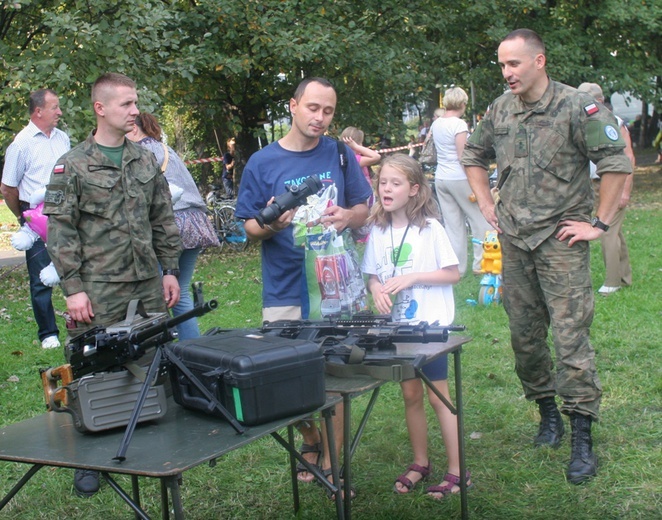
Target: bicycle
[(229, 229)]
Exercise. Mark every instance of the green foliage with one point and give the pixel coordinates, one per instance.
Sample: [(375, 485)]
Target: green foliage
[(232, 65), (67, 44)]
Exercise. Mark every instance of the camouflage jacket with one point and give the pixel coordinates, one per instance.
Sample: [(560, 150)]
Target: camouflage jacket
[(108, 224), (542, 155)]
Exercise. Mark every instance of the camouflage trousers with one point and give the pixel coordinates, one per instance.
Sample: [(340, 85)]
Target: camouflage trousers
[(111, 299), (552, 286)]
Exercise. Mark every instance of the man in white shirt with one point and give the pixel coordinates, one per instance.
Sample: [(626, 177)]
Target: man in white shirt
[(28, 164)]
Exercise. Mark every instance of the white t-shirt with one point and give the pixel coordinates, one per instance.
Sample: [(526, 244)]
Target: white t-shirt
[(422, 251), (444, 130)]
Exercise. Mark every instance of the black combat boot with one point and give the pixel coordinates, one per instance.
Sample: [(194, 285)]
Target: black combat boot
[(86, 482), (551, 428), (583, 462)]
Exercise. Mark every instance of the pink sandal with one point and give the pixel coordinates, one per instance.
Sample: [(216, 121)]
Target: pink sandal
[(447, 489), (408, 484)]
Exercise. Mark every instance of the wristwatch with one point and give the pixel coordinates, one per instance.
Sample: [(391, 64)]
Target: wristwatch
[(596, 222), (173, 272)]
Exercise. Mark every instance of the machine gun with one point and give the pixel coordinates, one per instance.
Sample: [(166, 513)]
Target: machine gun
[(105, 348), (108, 349)]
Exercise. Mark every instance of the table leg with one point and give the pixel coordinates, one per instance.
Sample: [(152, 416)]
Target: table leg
[(165, 503), (20, 484), (347, 454), (460, 433), (335, 470), (293, 470), (457, 410), (364, 421), (175, 493), (115, 486), (135, 487)]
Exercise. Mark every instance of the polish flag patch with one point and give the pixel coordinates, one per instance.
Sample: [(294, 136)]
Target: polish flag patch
[(59, 168), (591, 109)]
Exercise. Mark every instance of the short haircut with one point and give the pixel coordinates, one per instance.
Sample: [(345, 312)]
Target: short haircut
[(454, 98), (149, 125), (531, 38), (110, 79), (592, 89), (301, 88), (38, 99), (354, 133)]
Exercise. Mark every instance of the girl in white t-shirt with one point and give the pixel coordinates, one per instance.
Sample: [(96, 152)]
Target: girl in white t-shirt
[(412, 267)]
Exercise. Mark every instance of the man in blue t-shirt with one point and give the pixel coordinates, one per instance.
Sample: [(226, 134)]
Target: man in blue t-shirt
[(303, 152)]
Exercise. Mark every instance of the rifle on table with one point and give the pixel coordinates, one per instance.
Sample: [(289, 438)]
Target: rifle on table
[(366, 331), (365, 343)]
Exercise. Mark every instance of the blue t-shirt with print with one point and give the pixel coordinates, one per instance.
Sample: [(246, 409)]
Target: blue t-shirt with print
[(266, 175)]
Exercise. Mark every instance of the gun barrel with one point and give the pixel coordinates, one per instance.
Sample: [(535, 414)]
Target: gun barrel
[(143, 335)]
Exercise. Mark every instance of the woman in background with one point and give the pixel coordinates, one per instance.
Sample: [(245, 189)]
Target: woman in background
[(458, 206), (190, 214)]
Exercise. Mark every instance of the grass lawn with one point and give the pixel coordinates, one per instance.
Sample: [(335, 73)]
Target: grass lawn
[(512, 480)]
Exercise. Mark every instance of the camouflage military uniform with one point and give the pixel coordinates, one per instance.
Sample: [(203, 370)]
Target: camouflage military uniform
[(109, 228), (542, 156)]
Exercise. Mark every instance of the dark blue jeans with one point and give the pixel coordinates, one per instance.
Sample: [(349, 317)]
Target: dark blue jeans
[(36, 259), (228, 184)]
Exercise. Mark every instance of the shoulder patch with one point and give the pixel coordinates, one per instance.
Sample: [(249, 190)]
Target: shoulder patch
[(591, 109), (611, 133), (55, 197), (59, 168)]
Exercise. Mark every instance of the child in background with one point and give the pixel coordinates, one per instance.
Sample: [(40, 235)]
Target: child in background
[(353, 137), (412, 267)]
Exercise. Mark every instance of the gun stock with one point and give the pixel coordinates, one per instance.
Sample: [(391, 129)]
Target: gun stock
[(55, 395)]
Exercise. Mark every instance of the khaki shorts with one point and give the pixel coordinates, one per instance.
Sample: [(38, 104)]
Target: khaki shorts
[(290, 312)]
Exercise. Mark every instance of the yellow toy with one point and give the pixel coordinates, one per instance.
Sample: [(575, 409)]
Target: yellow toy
[(490, 284), (491, 262)]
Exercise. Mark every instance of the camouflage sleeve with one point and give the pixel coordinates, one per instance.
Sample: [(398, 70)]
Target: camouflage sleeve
[(602, 139), (479, 150), (64, 246), (165, 234)]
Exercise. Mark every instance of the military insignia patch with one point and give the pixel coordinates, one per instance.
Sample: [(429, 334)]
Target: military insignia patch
[(59, 168), (611, 133), (54, 197), (591, 109)]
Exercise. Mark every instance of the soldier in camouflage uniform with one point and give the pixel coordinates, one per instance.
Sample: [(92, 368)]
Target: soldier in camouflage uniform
[(542, 135), (110, 224)]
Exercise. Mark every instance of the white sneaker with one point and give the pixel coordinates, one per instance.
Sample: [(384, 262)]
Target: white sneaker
[(606, 290), (50, 342)]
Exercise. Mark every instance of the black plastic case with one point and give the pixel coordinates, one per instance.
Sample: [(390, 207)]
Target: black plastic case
[(257, 378)]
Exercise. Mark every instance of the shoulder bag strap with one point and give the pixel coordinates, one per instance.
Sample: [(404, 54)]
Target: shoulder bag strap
[(167, 157)]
